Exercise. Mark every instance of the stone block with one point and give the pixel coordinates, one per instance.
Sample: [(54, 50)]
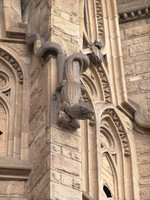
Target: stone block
[(66, 26), (133, 88), (66, 139), (142, 67), (12, 188), (71, 154), (125, 52), (55, 176), (140, 58), (72, 6), (122, 34), (129, 69), (61, 192), (145, 86), (44, 194), (66, 180), (139, 49), (77, 184), (40, 171), (65, 16), (135, 78), (56, 149), (142, 146), (40, 143), (39, 187), (141, 40), (146, 76), (145, 193), (66, 165), (136, 31), (144, 170), (127, 43)]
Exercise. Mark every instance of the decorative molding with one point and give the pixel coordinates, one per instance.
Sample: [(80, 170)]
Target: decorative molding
[(13, 62), (99, 16), (121, 130), (97, 58), (14, 169), (134, 14)]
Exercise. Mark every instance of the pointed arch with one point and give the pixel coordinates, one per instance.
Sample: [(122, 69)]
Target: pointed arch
[(113, 123), (14, 94), (109, 176)]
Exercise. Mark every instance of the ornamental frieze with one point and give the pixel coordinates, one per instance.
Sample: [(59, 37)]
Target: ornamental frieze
[(121, 130)]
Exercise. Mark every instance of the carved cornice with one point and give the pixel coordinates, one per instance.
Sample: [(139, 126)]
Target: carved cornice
[(134, 14), (13, 62), (11, 168), (121, 130)]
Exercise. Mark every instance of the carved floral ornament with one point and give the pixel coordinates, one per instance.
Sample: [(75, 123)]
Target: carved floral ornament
[(122, 133)]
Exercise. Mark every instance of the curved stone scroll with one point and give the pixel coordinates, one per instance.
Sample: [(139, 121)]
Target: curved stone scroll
[(72, 109), (139, 118)]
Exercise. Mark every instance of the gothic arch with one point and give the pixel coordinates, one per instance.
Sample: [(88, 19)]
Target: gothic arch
[(117, 146), (14, 94), (111, 166)]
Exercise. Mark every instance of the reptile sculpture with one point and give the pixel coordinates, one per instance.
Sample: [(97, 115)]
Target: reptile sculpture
[(72, 108)]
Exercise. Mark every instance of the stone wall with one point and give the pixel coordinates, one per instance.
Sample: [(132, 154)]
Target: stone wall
[(136, 55), (54, 154)]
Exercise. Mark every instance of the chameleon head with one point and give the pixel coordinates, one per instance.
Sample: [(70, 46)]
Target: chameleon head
[(81, 111)]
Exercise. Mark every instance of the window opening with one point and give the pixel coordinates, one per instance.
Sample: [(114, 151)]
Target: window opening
[(107, 191)]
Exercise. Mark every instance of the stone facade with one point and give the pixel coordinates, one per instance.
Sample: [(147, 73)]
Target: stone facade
[(74, 100)]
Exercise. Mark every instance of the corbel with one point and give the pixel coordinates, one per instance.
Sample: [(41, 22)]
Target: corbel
[(131, 14)]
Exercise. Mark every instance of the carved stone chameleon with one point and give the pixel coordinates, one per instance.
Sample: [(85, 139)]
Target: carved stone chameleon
[(70, 92)]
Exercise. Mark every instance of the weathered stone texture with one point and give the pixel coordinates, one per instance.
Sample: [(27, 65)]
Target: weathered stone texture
[(66, 139), (12, 188), (136, 45), (62, 164), (64, 192)]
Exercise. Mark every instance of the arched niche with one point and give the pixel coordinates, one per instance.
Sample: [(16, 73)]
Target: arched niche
[(115, 155), (109, 177), (14, 100)]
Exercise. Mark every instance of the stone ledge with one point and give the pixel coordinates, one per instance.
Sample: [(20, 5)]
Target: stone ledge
[(11, 168), (131, 14)]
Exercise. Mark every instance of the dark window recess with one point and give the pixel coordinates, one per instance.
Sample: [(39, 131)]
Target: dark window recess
[(85, 17), (1, 132), (107, 191)]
